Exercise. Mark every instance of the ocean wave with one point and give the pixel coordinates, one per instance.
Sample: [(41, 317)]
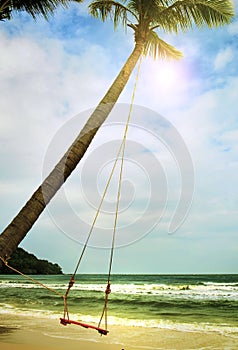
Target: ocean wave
[(190, 304), (207, 290)]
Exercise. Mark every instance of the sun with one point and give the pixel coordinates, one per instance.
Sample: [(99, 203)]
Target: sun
[(167, 75), (164, 75)]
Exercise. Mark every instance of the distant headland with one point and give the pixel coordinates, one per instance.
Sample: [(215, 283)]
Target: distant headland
[(29, 264)]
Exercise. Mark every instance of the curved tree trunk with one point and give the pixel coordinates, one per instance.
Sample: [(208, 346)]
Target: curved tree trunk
[(25, 219)]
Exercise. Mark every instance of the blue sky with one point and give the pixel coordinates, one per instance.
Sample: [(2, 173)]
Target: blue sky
[(52, 72)]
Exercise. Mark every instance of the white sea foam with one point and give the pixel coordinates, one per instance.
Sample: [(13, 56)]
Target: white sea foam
[(6, 309), (192, 291), (207, 290)]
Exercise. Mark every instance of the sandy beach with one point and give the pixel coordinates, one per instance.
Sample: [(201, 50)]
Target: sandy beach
[(20, 333), (146, 313)]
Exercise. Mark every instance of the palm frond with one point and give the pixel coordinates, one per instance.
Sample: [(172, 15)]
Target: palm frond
[(145, 8), (158, 48), (213, 13), (185, 13), (33, 7), (5, 11), (116, 11), (134, 6)]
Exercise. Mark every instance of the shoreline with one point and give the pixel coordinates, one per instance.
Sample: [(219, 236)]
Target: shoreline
[(22, 332)]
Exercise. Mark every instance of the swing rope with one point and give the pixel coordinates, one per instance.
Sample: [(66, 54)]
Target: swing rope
[(30, 278), (122, 147), (121, 152)]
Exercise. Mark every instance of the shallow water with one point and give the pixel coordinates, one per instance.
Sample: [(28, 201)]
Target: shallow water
[(200, 303)]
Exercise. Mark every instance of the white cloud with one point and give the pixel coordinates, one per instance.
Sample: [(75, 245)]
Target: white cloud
[(233, 28), (45, 81), (223, 58), (41, 86)]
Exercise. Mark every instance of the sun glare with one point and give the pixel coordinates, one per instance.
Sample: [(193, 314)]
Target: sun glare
[(165, 75), (165, 83)]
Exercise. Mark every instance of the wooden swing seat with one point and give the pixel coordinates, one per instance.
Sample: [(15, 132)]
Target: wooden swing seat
[(65, 322)]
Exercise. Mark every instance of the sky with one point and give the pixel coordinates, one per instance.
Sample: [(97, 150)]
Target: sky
[(179, 195)]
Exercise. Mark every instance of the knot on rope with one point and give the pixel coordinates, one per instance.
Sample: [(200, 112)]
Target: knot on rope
[(71, 282), (5, 260), (108, 289)]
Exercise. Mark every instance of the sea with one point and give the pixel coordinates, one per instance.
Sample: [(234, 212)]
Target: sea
[(188, 303)]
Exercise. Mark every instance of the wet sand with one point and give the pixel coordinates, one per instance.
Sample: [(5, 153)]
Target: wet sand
[(18, 333)]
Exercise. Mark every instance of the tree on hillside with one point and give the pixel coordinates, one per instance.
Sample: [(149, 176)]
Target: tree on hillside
[(29, 264), (33, 7), (144, 17)]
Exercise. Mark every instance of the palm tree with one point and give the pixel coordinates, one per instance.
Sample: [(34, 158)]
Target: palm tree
[(144, 17), (34, 8)]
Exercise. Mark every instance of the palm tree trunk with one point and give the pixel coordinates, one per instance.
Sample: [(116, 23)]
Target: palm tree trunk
[(25, 219)]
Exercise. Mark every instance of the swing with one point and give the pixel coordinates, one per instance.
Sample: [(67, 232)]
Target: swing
[(65, 320)]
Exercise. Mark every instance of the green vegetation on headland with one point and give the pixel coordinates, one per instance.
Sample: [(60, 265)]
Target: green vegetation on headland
[(29, 264)]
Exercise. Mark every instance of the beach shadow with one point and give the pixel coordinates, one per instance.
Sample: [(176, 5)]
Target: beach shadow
[(6, 330)]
